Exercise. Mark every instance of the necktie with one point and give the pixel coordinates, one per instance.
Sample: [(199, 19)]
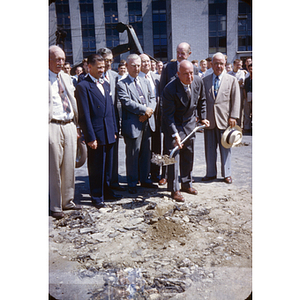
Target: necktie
[(188, 91), (140, 92), (99, 83), (64, 99), (216, 85)]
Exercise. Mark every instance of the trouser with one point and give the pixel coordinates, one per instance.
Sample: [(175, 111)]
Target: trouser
[(184, 160), (100, 163), (138, 157), (248, 114), (115, 168), (212, 139), (62, 159)]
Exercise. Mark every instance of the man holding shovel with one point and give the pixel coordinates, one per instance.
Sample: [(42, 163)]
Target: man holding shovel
[(182, 98)]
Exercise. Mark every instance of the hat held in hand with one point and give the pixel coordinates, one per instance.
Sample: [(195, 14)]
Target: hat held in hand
[(232, 136)]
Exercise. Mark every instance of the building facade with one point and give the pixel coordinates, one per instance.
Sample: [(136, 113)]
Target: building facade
[(83, 26)]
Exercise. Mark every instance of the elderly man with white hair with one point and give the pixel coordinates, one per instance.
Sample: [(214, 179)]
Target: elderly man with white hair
[(223, 108), (63, 118)]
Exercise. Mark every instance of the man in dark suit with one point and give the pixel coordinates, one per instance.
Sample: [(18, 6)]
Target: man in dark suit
[(97, 121), (111, 77), (223, 110), (138, 105), (169, 72), (183, 99)]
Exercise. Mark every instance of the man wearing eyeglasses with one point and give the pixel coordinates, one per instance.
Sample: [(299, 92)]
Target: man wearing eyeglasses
[(111, 77)]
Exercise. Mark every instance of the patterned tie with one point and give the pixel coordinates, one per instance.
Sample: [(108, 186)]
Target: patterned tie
[(188, 91), (216, 85), (64, 99), (140, 92)]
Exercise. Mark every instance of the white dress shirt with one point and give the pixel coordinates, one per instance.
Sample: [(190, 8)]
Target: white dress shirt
[(58, 111), (149, 78)]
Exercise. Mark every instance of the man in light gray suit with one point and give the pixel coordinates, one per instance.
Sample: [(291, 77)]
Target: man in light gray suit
[(138, 104), (223, 107)]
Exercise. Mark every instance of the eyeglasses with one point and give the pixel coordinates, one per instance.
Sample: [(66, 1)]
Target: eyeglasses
[(108, 60)]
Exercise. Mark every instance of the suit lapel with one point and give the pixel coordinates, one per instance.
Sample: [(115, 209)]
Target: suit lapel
[(70, 96), (221, 87), (132, 88), (211, 87), (181, 94), (144, 90)]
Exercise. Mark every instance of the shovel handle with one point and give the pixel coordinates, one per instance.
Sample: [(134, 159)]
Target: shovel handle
[(186, 138)]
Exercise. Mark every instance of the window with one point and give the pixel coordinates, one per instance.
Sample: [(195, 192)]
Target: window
[(159, 30), (244, 27), (64, 26), (217, 26), (87, 27), (136, 19), (111, 20)]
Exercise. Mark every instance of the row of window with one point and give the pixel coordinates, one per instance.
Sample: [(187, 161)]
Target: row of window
[(217, 26)]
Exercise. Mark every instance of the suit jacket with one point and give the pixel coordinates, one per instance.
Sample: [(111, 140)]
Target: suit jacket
[(96, 112), (69, 87), (156, 79), (227, 102), (169, 72), (132, 107), (113, 79), (179, 114)]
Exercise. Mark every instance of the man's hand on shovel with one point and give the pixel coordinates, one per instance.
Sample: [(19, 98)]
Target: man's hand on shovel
[(178, 141)]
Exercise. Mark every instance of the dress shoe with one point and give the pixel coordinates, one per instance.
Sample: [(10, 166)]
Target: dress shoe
[(163, 181), (76, 207), (149, 185), (113, 196), (190, 190), (118, 188), (207, 178), (57, 214), (228, 180), (177, 196), (132, 190), (99, 205)]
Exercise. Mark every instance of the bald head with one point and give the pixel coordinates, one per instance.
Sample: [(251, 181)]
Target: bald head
[(56, 59), (183, 51), (186, 72)]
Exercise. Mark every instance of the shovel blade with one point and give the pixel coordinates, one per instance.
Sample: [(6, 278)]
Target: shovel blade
[(162, 160)]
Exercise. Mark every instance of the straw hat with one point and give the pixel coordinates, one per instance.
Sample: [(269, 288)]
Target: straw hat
[(232, 136)]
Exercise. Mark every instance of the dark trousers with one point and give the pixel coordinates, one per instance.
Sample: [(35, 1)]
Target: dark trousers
[(184, 163), (100, 163)]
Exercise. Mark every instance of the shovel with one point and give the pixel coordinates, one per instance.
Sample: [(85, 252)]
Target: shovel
[(165, 160)]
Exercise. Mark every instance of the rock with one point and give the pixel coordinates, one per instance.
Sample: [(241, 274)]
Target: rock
[(186, 219), (86, 230), (154, 297)]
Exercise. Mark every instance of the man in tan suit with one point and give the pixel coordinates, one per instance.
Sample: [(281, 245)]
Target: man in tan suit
[(63, 117), (223, 107)]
